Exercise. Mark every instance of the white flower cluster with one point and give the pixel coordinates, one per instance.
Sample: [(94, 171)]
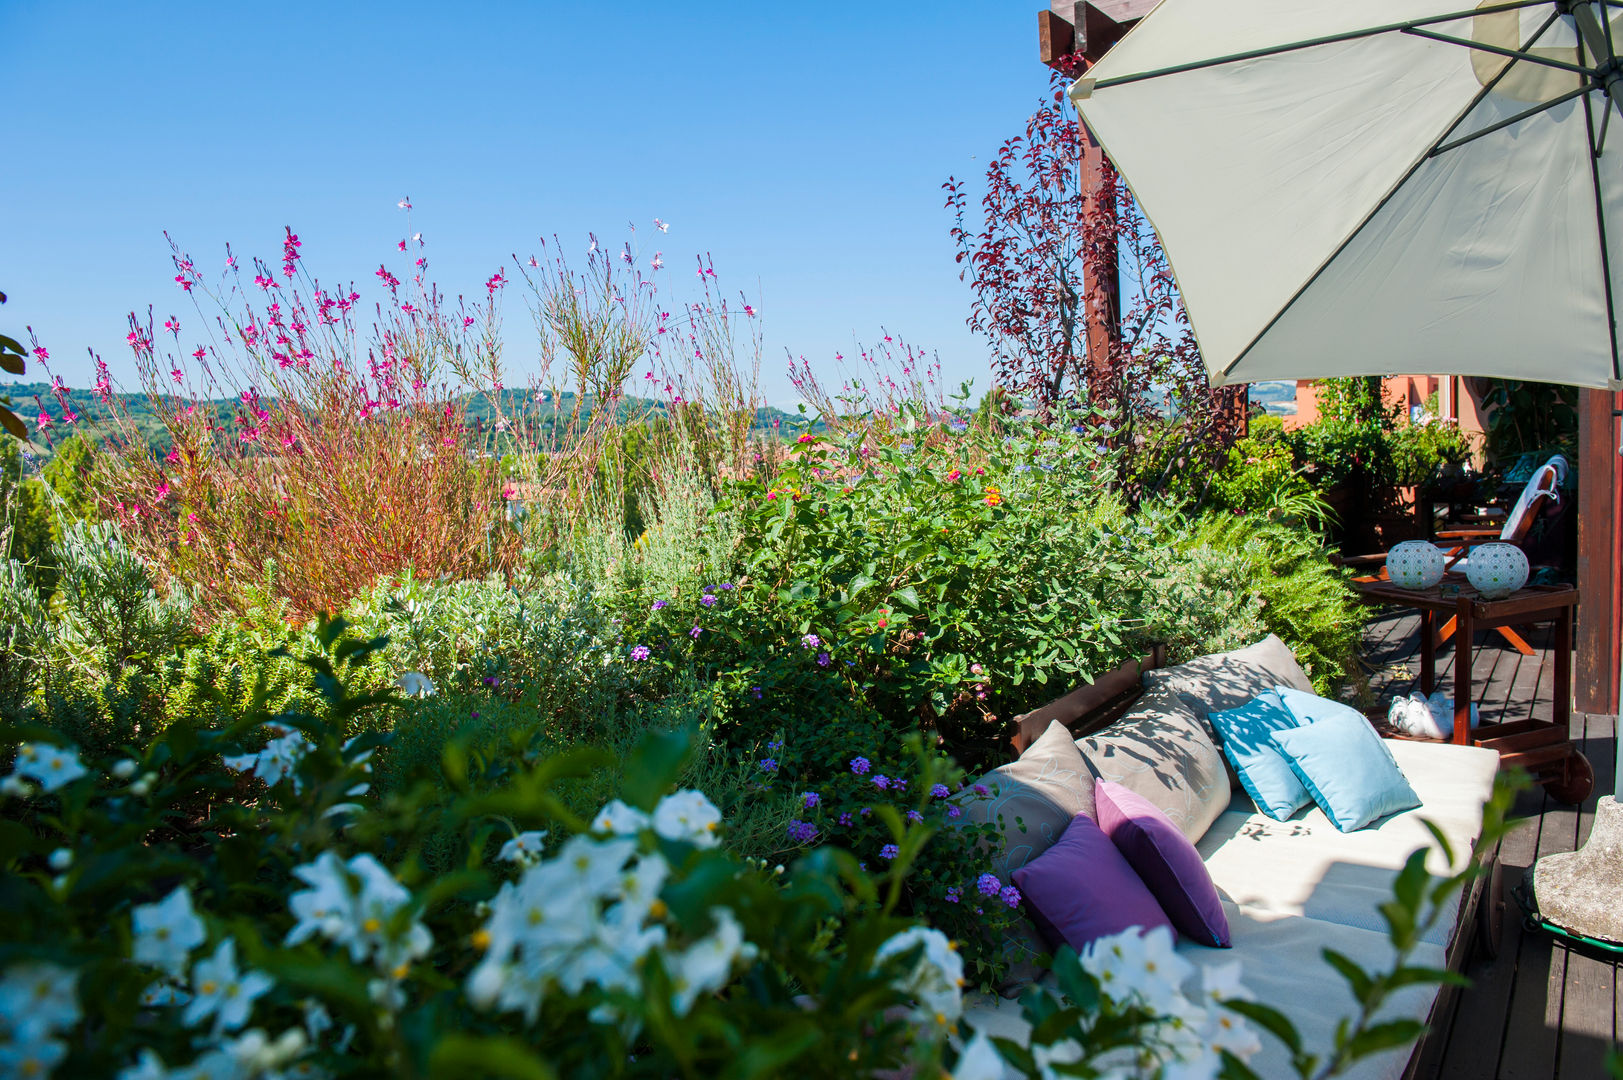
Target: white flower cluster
[(37, 1001), (936, 980), (1185, 1043), (164, 936), (591, 914), (51, 767), (280, 759), (359, 905)]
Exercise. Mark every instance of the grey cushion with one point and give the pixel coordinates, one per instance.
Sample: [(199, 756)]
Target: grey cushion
[(1161, 751), (1228, 680)]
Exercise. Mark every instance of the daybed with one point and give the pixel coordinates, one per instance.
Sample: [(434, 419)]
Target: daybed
[(1289, 888)]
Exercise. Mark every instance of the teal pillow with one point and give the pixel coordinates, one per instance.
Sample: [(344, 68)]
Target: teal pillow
[(1348, 769), (1265, 773)]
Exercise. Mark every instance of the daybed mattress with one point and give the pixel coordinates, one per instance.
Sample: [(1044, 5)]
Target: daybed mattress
[(1294, 888)]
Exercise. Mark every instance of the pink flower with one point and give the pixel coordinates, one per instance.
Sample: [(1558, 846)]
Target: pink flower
[(172, 325), (41, 352), (404, 204), (496, 281), (750, 311), (656, 264), (402, 245), (467, 321), (661, 226), (509, 492), (387, 278)]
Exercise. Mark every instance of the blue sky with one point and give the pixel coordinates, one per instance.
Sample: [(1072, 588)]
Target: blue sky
[(802, 145)]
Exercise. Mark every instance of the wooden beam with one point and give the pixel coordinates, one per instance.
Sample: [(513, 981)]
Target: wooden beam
[(1600, 506), (1056, 38)]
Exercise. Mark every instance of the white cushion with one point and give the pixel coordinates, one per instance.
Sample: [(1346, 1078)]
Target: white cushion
[(1284, 967)]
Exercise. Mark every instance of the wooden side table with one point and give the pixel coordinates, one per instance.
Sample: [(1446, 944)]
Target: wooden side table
[(1543, 748)]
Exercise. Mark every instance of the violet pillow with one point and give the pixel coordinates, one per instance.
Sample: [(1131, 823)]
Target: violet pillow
[(1165, 861), (1081, 889)]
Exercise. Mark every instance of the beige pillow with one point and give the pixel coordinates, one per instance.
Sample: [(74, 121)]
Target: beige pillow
[(1032, 800), (1161, 751)]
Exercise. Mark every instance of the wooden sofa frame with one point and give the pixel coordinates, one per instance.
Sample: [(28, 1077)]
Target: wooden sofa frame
[(1096, 705)]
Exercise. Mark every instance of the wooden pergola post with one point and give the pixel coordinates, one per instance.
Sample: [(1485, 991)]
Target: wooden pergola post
[(1600, 523), (1072, 36)]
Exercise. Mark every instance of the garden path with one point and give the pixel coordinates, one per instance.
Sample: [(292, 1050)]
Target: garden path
[(1539, 1009)]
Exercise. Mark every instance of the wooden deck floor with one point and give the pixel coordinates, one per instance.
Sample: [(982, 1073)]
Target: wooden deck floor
[(1539, 1010)]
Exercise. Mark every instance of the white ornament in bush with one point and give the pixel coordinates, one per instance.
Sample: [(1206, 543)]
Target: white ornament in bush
[(1496, 570), (1415, 564)]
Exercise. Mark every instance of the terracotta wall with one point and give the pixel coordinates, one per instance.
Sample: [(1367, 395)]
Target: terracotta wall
[(1403, 391)]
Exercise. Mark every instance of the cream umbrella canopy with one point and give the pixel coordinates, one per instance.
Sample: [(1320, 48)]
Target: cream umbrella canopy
[(1379, 187)]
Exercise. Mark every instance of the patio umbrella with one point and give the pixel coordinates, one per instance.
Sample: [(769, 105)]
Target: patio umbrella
[(1381, 187), (1385, 187)]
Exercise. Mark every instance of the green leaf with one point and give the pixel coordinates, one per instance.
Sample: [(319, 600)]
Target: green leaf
[(1413, 976), (1270, 1020), (907, 596), (1356, 977), (13, 364), (654, 766), (458, 1055), (11, 344), (1372, 1040), (11, 423)]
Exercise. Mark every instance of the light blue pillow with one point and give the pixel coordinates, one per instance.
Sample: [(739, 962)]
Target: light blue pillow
[(1310, 708), (1265, 773), (1348, 769)]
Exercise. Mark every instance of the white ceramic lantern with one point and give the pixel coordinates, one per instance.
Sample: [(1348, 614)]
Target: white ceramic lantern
[(1415, 564), (1496, 570)]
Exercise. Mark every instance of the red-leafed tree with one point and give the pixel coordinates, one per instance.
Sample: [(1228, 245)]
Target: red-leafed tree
[(1041, 224)]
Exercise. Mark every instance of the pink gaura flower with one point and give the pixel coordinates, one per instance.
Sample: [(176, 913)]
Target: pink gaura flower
[(402, 245), (496, 281), (41, 352)]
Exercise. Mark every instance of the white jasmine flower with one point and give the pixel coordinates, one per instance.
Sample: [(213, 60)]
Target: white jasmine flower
[(1066, 1052), (148, 1066), (591, 866), (354, 904), (163, 993), (707, 964), (38, 999), (16, 786), (317, 1020), (937, 977), (979, 1061), (524, 849), (415, 684), (278, 760), (221, 991), (61, 859), (167, 932), (639, 889), (1131, 964), (52, 767), (687, 815), (123, 770), (1225, 1029), (323, 908), (31, 1057), (619, 819)]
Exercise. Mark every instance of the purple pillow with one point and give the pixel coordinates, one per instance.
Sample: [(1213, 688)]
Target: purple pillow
[(1081, 889), (1165, 861)]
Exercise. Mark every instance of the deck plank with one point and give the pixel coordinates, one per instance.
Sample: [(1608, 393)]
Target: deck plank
[(1588, 1015)]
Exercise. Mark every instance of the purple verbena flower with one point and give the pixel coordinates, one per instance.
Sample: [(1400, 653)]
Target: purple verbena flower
[(657, 605), (802, 832), (823, 659), (881, 781), (755, 692), (988, 885), (768, 765), (914, 816), (695, 632), (811, 799), (980, 789), (810, 641), (939, 791), (953, 894), (726, 586), (708, 600), (955, 811), (889, 851), (845, 819), (860, 766), (1011, 896), (865, 811), (898, 785), (639, 652)]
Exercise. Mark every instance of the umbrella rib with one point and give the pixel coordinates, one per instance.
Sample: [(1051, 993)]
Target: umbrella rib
[(1497, 50), (1600, 229), (1328, 39), (1509, 120), (1397, 187)]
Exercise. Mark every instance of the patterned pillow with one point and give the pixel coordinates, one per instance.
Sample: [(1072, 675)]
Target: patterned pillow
[(1162, 753)]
